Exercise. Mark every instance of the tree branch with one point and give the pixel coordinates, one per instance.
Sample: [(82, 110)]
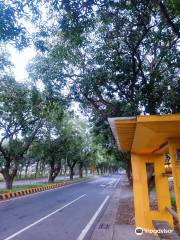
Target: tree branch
[(95, 106), (166, 15), (4, 153), (31, 138)]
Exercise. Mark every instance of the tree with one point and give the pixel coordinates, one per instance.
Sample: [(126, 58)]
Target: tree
[(34, 156), (73, 143), (50, 140), (122, 66), (117, 58), (87, 148), (53, 157), (13, 15), (168, 10), (79, 15), (127, 63), (19, 123)]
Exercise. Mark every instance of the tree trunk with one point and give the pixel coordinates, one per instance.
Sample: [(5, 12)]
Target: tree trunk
[(127, 160), (71, 175), (9, 177), (26, 169), (9, 182), (20, 172), (53, 172), (37, 168), (80, 170), (97, 168), (61, 172), (42, 167), (65, 169), (101, 170), (50, 177), (86, 170), (150, 176)]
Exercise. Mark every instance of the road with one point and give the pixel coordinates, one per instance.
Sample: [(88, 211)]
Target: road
[(65, 214)]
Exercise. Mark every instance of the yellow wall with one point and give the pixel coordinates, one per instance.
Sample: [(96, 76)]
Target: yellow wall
[(143, 214), (174, 144)]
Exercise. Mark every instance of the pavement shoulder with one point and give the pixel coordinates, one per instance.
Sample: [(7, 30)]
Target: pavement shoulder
[(107, 227)]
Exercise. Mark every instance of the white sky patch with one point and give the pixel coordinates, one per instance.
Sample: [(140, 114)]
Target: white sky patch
[(20, 60), (40, 85)]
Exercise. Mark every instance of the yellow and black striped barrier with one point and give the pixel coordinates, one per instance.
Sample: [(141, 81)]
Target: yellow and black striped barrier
[(8, 195)]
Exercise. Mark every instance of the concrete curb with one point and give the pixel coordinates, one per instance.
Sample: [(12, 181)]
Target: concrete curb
[(9, 195)]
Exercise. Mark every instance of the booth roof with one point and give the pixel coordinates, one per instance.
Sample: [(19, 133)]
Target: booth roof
[(145, 134)]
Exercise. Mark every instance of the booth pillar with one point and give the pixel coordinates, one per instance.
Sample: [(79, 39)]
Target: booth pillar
[(174, 151), (143, 214)]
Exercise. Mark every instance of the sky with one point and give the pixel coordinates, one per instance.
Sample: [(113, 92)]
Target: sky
[(20, 60)]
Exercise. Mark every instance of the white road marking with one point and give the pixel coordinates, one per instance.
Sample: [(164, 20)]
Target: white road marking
[(115, 185), (111, 182), (43, 218), (90, 223)]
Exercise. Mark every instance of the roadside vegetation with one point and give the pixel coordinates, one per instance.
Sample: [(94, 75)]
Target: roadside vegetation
[(24, 187), (42, 184)]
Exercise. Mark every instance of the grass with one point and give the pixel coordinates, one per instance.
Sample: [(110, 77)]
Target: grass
[(31, 176), (24, 187), (1, 178)]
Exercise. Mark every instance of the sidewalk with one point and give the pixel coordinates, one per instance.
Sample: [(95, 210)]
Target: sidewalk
[(109, 226)]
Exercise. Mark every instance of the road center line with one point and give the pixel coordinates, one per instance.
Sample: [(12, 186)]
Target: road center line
[(43, 218), (90, 223)]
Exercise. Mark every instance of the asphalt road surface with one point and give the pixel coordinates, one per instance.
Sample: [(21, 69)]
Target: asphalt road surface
[(65, 214)]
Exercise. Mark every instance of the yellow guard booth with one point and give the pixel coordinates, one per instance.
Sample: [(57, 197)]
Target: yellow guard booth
[(149, 138)]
